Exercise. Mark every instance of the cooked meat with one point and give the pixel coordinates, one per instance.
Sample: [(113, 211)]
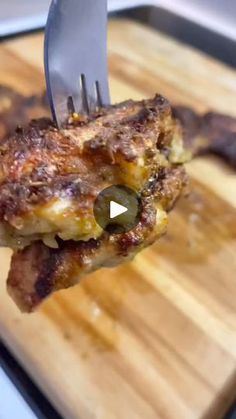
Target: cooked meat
[(212, 133), (49, 181), (16, 109)]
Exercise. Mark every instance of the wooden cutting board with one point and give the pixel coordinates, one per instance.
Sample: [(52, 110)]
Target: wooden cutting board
[(155, 338)]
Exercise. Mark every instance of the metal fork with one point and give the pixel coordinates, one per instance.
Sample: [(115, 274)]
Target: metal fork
[(75, 57)]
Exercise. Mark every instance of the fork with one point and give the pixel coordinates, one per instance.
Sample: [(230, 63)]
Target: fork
[(75, 57)]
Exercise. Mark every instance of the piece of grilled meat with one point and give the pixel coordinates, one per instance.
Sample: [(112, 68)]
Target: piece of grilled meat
[(49, 181), (211, 133), (16, 109)]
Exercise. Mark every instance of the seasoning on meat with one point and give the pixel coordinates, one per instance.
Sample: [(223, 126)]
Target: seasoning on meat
[(18, 110), (49, 181), (211, 133)]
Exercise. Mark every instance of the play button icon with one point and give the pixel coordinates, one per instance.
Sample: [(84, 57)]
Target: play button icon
[(117, 209)]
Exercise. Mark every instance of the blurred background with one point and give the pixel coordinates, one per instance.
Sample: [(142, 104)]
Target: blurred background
[(208, 25), (22, 15)]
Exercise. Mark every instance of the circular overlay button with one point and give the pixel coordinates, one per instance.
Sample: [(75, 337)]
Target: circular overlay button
[(117, 209)]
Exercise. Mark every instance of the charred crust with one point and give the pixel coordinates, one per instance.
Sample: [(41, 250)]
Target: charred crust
[(220, 131), (45, 282), (26, 269), (190, 121), (38, 163), (212, 133), (224, 147), (168, 185), (127, 144), (37, 271), (18, 110), (135, 238)]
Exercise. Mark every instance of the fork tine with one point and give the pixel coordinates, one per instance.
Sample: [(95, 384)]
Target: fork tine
[(75, 44), (90, 90), (70, 105), (77, 100), (84, 94), (98, 94), (102, 90)]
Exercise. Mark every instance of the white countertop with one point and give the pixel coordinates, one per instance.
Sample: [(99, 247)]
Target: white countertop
[(12, 404), (17, 16), (218, 15)]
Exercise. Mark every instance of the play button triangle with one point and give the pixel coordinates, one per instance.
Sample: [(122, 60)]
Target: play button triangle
[(116, 210)]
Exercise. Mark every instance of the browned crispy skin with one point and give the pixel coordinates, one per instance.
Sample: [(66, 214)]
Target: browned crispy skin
[(18, 110), (211, 133), (138, 144), (37, 271), (38, 163), (41, 163)]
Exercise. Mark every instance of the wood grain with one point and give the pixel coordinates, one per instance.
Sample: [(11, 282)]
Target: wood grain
[(155, 338)]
